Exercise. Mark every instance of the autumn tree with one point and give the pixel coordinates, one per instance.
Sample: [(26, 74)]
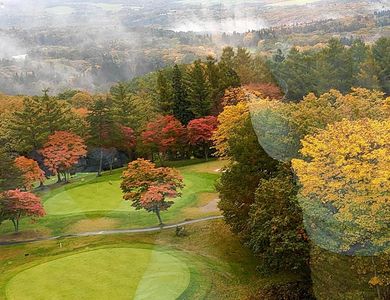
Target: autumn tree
[(281, 126), (233, 96), (128, 139), (236, 141), (15, 204), (62, 151), (232, 118), (31, 171), (200, 132), (266, 90), (81, 100), (38, 118), (345, 185), (166, 135), (149, 187)]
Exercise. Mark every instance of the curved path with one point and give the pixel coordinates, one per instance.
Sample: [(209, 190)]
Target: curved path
[(111, 232)]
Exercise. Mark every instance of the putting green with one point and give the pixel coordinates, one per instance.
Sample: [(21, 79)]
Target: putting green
[(110, 273)]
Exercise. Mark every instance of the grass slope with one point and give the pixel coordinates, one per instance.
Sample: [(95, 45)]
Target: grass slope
[(109, 273), (91, 203), (219, 267)]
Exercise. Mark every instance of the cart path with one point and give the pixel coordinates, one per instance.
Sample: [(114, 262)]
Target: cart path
[(112, 232)]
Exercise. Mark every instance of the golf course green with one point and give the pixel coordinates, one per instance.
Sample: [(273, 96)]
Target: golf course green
[(91, 194), (108, 273), (90, 203)]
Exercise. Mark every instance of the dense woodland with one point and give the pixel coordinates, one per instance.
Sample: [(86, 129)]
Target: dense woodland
[(282, 123)]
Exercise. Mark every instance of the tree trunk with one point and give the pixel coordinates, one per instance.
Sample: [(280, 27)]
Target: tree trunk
[(160, 159), (378, 291), (58, 177), (159, 217), (100, 163), (206, 155), (16, 224), (111, 163)]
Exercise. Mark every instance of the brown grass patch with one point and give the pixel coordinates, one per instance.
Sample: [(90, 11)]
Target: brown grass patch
[(93, 225)]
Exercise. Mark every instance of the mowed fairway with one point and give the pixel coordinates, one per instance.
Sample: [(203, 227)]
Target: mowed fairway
[(111, 273), (100, 196), (104, 194), (90, 203)]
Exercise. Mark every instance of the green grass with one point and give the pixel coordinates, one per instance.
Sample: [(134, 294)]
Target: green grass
[(117, 273), (219, 267), (91, 203)]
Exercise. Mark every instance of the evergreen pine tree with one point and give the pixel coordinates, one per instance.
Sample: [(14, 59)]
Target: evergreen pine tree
[(54, 114), (181, 104), (368, 76), (10, 175), (29, 137), (243, 65), (122, 105), (165, 95), (198, 91), (103, 131), (381, 53), (227, 57), (213, 74)]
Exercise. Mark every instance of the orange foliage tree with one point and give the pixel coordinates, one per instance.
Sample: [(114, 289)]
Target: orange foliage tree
[(15, 204), (148, 186), (62, 151), (30, 170)]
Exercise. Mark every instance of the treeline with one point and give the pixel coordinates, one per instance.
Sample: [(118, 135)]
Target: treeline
[(196, 90), (345, 25), (334, 67)]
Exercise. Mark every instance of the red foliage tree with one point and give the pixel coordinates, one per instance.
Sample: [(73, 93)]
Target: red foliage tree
[(127, 140), (266, 90), (15, 204), (62, 151), (163, 135), (30, 170), (148, 187), (200, 132)]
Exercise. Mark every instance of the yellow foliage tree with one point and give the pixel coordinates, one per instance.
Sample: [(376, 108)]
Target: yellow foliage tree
[(230, 119), (346, 173), (280, 126)]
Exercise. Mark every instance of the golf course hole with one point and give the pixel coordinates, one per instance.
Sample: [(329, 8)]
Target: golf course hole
[(110, 273)]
